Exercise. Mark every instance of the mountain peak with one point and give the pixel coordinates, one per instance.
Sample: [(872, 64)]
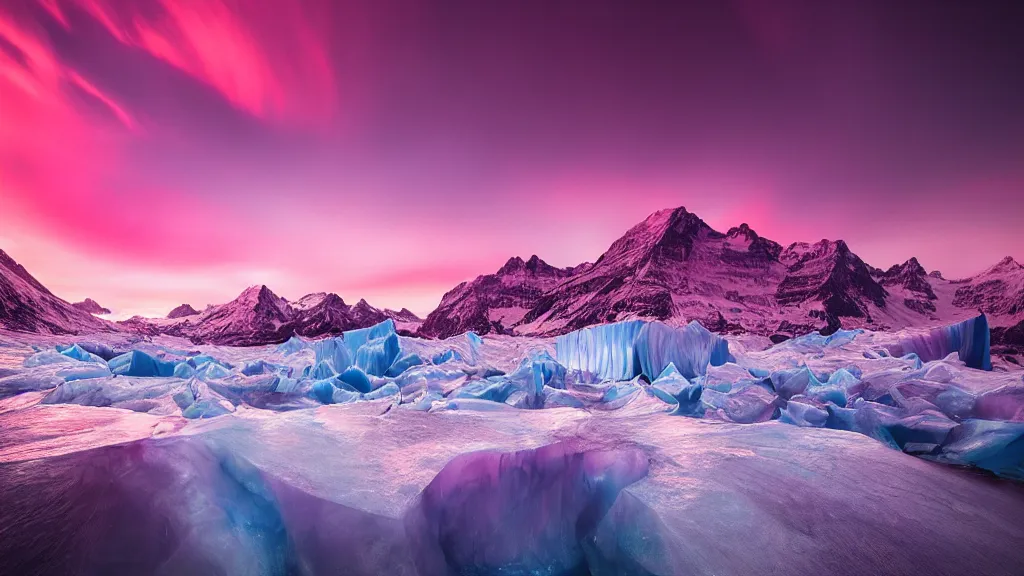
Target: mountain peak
[(742, 230), (667, 234), (912, 276), (910, 267), (91, 306), (182, 311), (683, 222), (255, 291), (513, 264), (1007, 264), (332, 299), (364, 307), (259, 296), (534, 265), (20, 271)]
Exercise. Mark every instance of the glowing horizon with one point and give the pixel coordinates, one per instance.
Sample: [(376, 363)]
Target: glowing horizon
[(155, 153)]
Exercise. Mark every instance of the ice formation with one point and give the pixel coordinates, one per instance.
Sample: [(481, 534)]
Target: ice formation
[(623, 350), (606, 352), (968, 339), (512, 455), (691, 349)]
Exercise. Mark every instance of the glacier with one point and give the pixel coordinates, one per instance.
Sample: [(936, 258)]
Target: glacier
[(628, 448)]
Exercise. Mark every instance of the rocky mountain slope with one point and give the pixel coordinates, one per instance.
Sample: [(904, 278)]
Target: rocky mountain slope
[(997, 291), (258, 316), (671, 267), (182, 311), (675, 268), (27, 306), (493, 303), (91, 306)]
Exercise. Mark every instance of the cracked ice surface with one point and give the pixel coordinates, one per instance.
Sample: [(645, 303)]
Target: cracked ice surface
[(820, 454)]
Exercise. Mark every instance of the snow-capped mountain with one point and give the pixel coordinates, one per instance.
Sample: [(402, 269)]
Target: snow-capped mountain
[(322, 314), (830, 274), (258, 316), (493, 303), (403, 315), (912, 279), (182, 311), (671, 267), (996, 291), (27, 306), (91, 306), (675, 268)]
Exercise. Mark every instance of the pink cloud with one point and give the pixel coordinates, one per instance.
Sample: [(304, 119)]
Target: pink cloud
[(269, 60), (54, 9), (95, 92), (62, 168)]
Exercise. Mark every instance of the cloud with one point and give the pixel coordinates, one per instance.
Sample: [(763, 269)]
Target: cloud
[(269, 60), (95, 92)]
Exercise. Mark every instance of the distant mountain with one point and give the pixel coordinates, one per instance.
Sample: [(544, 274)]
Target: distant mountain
[(182, 311), (327, 314), (911, 278), (672, 267), (403, 315), (829, 273), (493, 303), (675, 268), (258, 316), (996, 291), (89, 305), (27, 306)]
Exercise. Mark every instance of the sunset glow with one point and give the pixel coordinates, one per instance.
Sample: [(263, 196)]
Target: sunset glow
[(153, 151)]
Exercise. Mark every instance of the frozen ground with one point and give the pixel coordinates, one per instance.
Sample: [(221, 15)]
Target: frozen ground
[(815, 456)]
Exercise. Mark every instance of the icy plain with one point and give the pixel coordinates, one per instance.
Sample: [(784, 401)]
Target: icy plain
[(624, 449)]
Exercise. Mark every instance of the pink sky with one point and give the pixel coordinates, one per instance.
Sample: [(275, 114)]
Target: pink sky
[(158, 152)]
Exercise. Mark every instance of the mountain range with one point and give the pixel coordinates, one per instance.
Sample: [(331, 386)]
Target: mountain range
[(258, 316), (671, 267)]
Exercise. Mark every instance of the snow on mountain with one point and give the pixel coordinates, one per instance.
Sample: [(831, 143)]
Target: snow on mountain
[(403, 315), (91, 306), (829, 273), (675, 268), (911, 280), (998, 291), (27, 306), (493, 303), (323, 314), (182, 311), (258, 316), (670, 266)]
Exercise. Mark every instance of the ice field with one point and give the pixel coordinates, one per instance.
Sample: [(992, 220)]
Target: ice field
[(629, 448)]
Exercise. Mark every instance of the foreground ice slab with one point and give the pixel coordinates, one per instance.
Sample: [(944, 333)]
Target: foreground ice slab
[(829, 454), (631, 491)]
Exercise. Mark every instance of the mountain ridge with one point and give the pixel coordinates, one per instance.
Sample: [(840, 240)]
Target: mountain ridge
[(672, 266)]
